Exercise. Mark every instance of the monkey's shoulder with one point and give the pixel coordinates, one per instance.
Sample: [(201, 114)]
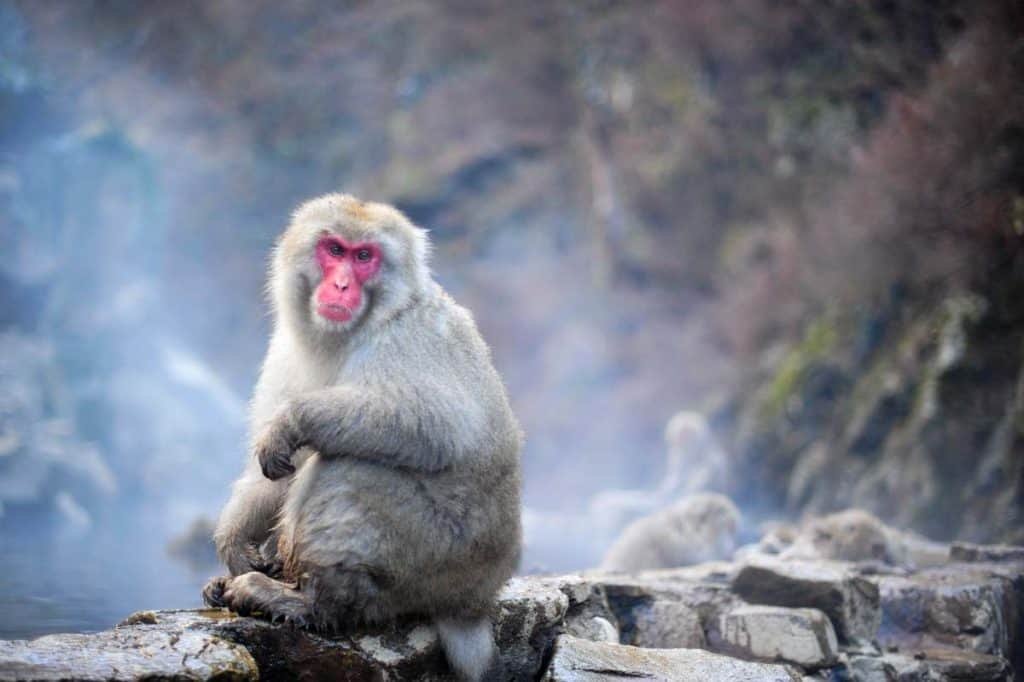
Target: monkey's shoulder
[(439, 324)]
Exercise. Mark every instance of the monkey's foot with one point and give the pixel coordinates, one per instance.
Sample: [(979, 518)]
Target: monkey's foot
[(213, 592), (256, 594), (263, 559)]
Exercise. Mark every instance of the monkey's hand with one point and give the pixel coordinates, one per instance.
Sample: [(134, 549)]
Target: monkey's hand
[(275, 446)]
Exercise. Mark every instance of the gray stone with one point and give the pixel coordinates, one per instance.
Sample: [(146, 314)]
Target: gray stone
[(530, 612), (804, 637), (848, 599), (588, 615), (939, 665), (663, 624), (595, 629), (964, 606), (405, 651), (667, 609), (127, 653), (578, 660), (967, 552), (960, 621), (871, 669)]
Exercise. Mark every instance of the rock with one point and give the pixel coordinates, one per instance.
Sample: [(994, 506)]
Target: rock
[(960, 621), (848, 599), (408, 650), (967, 552), (127, 653), (804, 637), (871, 669), (664, 624), (929, 665), (668, 609), (577, 660), (965, 606), (529, 613), (589, 616), (594, 629)]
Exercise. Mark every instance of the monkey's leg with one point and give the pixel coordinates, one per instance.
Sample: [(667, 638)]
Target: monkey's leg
[(246, 524), (332, 547), (257, 594)]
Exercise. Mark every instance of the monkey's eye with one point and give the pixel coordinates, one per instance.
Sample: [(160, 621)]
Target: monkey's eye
[(363, 255), (335, 249)]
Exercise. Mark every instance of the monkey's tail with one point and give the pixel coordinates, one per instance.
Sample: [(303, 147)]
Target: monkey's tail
[(468, 645)]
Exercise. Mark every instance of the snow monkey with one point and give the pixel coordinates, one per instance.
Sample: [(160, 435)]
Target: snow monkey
[(384, 474), (696, 529)]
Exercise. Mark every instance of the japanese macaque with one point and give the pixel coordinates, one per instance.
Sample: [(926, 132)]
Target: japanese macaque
[(858, 535), (696, 529), (384, 474), (694, 463), (568, 540)]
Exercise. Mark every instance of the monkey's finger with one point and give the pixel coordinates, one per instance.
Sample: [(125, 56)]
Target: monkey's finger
[(282, 469), (277, 467)]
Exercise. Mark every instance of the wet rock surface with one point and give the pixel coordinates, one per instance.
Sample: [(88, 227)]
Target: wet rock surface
[(140, 650), (765, 618)]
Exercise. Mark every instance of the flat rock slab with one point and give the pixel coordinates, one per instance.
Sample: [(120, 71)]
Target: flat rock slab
[(579, 660), (410, 650), (663, 624), (965, 606), (804, 637), (849, 600), (128, 653)]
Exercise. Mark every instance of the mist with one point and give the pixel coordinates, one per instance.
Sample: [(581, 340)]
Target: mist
[(731, 208)]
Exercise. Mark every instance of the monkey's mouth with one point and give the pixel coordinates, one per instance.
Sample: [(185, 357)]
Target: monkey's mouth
[(334, 312)]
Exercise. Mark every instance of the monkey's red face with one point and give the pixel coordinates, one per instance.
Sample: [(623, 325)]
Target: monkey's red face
[(345, 267)]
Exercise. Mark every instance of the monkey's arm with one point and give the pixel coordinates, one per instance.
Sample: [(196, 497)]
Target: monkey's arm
[(416, 428)]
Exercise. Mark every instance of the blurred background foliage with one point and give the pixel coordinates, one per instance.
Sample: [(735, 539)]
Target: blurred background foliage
[(803, 219)]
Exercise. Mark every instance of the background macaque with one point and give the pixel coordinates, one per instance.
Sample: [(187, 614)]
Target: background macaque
[(694, 463), (384, 472), (858, 535), (849, 535), (696, 529)]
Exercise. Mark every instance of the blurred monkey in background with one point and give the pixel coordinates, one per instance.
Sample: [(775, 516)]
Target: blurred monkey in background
[(694, 462), (696, 529)]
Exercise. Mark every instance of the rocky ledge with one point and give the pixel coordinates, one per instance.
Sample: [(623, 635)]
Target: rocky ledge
[(765, 618)]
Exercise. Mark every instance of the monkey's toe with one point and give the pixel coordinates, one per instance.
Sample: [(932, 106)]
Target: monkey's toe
[(213, 592)]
